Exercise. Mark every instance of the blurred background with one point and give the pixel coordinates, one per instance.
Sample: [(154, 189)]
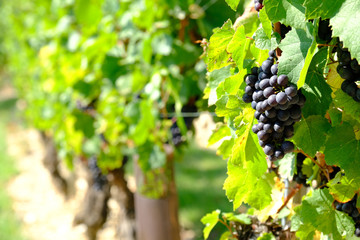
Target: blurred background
[(102, 118)]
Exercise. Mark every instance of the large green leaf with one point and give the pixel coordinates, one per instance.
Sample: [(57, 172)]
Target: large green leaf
[(316, 212), (287, 12), (345, 189), (233, 4), (295, 48), (320, 8), (315, 89), (310, 134), (217, 56), (347, 103), (345, 26), (342, 149)]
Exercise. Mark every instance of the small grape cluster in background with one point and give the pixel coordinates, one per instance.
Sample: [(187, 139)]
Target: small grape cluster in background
[(278, 106), (352, 211), (350, 71), (299, 177)]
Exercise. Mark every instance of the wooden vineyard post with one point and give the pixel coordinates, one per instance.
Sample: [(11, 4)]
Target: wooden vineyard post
[(157, 218)]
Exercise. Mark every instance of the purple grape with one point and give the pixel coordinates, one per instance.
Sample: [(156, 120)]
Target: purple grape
[(291, 91), (287, 147), (271, 113), (274, 69), (264, 83), (272, 100), (247, 99), (283, 80), (273, 81), (283, 115), (249, 90), (278, 127), (269, 149), (263, 136), (268, 92), (281, 98), (250, 80)]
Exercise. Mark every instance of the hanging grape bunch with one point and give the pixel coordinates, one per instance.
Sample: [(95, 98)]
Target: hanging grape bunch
[(352, 211), (350, 71), (278, 106), (258, 4), (299, 177)]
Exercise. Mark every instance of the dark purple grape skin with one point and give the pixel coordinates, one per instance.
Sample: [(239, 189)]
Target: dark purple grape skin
[(345, 72), (266, 66), (258, 6), (357, 232), (268, 92), (289, 132), (269, 149), (268, 128), (272, 53), (250, 80), (263, 136), (249, 90), (301, 101), (273, 81), (257, 87), (287, 147), (262, 143), (295, 112), (351, 89), (278, 135), (291, 91), (283, 106), (293, 100), (247, 99), (263, 118), (283, 80), (347, 207), (265, 105), (283, 115), (271, 113), (257, 115), (274, 69), (355, 213), (253, 105), (260, 126), (263, 75), (344, 84), (255, 129), (278, 126), (272, 100), (279, 154), (264, 83), (254, 71), (281, 98)]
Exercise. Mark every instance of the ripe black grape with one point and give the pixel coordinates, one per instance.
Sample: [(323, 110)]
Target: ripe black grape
[(278, 106), (350, 71)]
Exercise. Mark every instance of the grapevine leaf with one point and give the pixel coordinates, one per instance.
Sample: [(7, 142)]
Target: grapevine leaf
[(88, 13), (225, 148), (295, 47), (265, 22), (345, 102), (321, 8), (344, 26), (344, 190), (263, 42), (237, 46), (316, 212), (217, 56), (228, 106), (315, 89), (232, 83), (240, 180), (220, 133), (343, 150), (287, 166), (283, 11), (240, 218), (210, 220), (215, 78), (233, 4), (310, 134), (309, 56), (333, 78)]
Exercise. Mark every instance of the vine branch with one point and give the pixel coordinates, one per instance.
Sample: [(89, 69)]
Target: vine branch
[(292, 194)]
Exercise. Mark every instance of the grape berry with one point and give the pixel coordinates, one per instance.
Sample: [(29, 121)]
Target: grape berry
[(350, 71), (258, 5), (278, 106), (299, 177)]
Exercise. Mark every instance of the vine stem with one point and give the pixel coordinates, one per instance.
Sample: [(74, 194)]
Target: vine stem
[(228, 227), (326, 173), (292, 194)]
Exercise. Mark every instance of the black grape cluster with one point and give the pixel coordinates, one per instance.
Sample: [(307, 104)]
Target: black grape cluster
[(278, 106), (352, 211), (324, 31), (98, 179), (299, 177), (258, 4), (350, 71), (177, 138)]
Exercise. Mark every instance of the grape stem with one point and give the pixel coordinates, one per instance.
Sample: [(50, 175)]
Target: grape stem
[(323, 169), (291, 194), (228, 227)]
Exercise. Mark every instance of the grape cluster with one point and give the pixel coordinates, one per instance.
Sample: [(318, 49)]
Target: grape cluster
[(352, 211), (278, 106), (98, 179), (299, 177), (258, 4), (350, 71)]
